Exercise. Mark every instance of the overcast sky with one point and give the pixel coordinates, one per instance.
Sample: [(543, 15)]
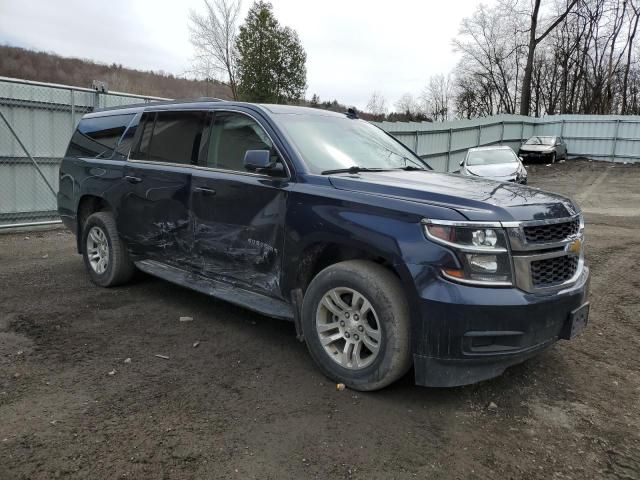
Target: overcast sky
[(353, 47)]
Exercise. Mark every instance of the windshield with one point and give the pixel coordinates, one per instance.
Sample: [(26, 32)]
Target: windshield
[(332, 143), (541, 141), (491, 157)]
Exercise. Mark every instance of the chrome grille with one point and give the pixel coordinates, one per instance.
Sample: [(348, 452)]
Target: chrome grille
[(545, 255), (553, 271), (554, 232)]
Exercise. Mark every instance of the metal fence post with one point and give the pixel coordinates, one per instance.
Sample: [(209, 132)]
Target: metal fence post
[(562, 128), (416, 149), (15, 135), (449, 151), (73, 108), (479, 136), (615, 141), (501, 132), (521, 131)]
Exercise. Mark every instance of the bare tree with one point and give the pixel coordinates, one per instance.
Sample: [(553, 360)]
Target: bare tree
[(586, 59), (633, 28), (213, 36), (407, 104), (492, 43), (534, 40), (377, 104), (437, 97)]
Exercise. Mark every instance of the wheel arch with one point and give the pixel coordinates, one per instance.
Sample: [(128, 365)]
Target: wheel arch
[(88, 205), (319, 255)]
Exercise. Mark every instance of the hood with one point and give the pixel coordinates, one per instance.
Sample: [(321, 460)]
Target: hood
[(536, 148), (474, 197), (494, 171)]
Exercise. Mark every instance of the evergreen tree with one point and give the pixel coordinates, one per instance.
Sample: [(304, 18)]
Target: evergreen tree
[(271, 59)]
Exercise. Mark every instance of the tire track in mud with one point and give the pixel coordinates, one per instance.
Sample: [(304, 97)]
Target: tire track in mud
[(590, 186)]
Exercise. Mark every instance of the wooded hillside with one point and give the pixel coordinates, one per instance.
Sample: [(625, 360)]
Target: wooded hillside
[(47, 67)]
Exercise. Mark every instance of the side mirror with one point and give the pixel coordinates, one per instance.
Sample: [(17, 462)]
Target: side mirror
[(521, 159), (263, 160), (258, 159), (462, 163)]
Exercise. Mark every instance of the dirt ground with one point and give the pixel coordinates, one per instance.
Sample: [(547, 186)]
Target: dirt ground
[(248, 402)]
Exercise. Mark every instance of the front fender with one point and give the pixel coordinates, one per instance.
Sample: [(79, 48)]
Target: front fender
[(383, 227)]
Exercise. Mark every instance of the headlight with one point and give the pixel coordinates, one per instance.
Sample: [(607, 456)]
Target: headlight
[(481, 249), (522, 172)]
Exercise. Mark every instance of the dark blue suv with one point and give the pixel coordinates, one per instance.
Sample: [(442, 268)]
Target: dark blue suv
[(325, 220)]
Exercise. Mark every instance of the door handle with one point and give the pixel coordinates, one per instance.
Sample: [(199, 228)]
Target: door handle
[(131, 179), (205, 191)]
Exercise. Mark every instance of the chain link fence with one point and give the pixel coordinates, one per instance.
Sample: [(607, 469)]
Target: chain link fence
[(36, 123)]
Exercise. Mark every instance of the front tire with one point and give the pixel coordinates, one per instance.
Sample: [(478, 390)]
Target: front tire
[(105, 254), (553, 157), (355, 320)]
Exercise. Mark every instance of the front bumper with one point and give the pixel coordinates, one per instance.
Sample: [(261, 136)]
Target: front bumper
[(466, 334), (536, 156), (511, 178)]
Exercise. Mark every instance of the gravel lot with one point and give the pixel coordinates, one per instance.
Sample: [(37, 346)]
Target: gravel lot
[(247, 402)]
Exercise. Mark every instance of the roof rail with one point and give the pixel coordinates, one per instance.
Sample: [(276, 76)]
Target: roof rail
[(207, 99), (161, 102)]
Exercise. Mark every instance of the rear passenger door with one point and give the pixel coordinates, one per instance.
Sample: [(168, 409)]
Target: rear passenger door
[(154, 216), (238, 215)]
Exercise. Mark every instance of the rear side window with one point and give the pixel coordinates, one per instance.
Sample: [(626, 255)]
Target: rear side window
[(97, 137), (172, 137)]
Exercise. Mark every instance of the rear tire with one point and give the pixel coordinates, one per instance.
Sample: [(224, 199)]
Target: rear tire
[(105, 254), (355, 320)]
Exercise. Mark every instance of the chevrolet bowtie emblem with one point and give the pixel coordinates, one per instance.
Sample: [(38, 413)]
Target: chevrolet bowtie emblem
[(574, 247)]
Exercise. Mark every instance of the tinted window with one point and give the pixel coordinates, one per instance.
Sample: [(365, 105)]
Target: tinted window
[(172, 137), (541, 141), (232, 134), (97, 137)]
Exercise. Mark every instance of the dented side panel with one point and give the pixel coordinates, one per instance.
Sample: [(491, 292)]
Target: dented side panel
[(239, 228), (386, 228), (154, 214)]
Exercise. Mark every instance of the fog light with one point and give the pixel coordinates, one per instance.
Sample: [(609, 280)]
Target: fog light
[(483, 263), (484, 238)]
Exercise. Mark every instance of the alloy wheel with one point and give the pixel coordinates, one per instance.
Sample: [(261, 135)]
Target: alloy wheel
[(348, 328), (98, 250)]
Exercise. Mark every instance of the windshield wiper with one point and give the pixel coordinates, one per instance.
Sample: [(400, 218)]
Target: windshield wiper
[(354, 169)]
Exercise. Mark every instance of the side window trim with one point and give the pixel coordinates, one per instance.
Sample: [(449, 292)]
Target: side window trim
[(206, 135), (134, 123), (134, 154), (136, 150)]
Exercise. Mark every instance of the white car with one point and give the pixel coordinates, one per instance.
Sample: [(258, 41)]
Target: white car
[(495, 163)]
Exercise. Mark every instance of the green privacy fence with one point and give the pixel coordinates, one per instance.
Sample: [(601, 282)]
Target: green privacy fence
[(37, 120), (36, 123), (613, 138)]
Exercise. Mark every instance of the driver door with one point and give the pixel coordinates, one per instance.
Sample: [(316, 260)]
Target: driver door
[(238, 215)]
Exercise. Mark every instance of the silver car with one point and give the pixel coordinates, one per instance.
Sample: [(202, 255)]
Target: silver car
[(495, 163), (545, 149)]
